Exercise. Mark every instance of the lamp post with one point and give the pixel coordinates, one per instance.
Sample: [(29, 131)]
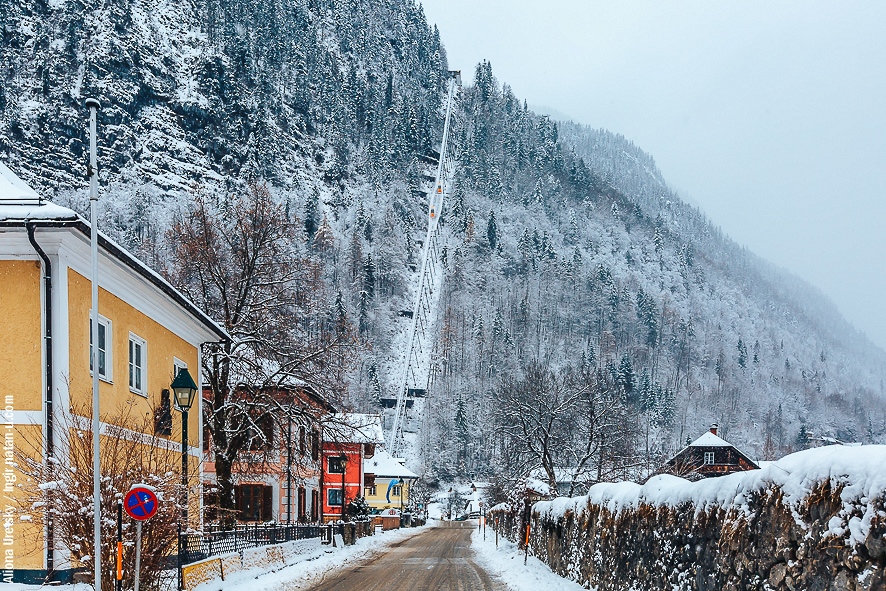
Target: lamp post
[(344, 469), (185, 389), (93, 106), (402, 482)]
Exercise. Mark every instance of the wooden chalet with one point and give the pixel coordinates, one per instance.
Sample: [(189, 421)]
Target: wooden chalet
[(710, 456)]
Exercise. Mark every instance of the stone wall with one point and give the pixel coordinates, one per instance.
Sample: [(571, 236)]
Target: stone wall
[(763, 536)]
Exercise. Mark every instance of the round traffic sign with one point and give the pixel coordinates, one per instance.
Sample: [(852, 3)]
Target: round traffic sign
[(141, 503)]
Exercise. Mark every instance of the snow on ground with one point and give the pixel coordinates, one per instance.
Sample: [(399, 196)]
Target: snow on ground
[(506, 563), (317, 564), (314, 566)]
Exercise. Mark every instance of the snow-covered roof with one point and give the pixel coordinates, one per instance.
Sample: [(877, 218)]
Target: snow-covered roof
[(710, 440), (353, 427), (13, 189), (19, 203), (384, 465)]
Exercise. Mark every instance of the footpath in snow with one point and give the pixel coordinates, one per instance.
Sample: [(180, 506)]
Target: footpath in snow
[(317, 564), (314, 565), (506, 563)]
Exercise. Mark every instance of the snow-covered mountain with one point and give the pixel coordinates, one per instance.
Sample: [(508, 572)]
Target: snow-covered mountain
[(564, 244)]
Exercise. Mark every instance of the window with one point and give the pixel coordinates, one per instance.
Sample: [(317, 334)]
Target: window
[(315, 505), (370, 491), (302, 504), (396, 490), (104, 347), (315, 445), (163, 415), (137, 358), (259, 435), (333, 497), (254, 502), (177, 366), (708, 457), (337, 465), (302, 443)]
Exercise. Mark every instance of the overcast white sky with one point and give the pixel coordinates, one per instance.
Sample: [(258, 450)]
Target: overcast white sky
[(771, 116)]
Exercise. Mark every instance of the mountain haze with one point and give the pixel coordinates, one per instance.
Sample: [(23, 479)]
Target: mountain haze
[(564, 244)]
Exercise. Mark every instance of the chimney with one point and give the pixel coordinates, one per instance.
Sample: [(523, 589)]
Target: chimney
[(714, 428)]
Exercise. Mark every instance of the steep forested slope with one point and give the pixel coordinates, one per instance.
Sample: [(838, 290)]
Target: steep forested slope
[(563, 244)]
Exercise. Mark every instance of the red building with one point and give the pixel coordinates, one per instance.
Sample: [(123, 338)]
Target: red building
[(348, 439)]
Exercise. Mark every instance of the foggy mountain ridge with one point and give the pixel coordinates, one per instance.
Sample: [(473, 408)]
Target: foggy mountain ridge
[(563, 243)]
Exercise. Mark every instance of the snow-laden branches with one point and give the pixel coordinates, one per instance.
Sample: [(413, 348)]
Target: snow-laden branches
[(241, 259), (571, 425)]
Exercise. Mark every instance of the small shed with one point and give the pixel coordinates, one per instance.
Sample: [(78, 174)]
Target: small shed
[(709, 456)]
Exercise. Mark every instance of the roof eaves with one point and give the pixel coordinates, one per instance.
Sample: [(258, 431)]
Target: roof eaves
[(130, 261)]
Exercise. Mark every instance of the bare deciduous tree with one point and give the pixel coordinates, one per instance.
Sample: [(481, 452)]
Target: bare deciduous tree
[(240, 260), (129, 455), (571, 425)]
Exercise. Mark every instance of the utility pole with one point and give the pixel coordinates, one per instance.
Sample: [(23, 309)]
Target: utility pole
[(92, 171)]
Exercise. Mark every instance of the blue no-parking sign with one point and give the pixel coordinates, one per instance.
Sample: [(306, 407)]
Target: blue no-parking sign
[(140, 503)]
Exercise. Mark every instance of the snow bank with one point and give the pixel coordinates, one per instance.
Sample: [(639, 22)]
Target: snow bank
[(859, 472), (505, 562), (812, 520)]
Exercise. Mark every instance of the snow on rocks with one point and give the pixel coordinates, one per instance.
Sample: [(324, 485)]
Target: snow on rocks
[(857, 471), (813, 520)]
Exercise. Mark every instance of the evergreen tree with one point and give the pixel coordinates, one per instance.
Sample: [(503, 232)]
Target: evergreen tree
[(369, 277), (312, 213), (626, 377), (492, 231), (462, 429), (802, 440), (363, 313)]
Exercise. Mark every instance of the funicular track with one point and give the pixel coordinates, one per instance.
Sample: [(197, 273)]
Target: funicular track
[(415, 375)]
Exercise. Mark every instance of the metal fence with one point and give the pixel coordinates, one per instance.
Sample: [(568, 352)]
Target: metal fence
[(213, 541)]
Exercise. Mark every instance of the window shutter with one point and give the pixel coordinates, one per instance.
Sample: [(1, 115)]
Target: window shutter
[(238, 502), (267, 503)]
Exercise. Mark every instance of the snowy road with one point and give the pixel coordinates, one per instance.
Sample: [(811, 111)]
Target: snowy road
[(439, 559)]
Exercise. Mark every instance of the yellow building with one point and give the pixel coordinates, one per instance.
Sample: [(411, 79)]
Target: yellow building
[(390, 481), (147, 330)]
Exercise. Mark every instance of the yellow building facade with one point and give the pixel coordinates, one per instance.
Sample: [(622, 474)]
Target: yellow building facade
[(390, 482), (147, 332)]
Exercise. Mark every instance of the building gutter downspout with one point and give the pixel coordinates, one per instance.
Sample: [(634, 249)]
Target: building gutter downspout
[(50, 414)]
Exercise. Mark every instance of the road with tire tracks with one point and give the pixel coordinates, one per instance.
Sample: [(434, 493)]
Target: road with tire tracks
[(436, 560)]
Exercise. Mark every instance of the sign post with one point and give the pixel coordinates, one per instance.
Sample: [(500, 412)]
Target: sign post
[(119, 586), (141, 504)]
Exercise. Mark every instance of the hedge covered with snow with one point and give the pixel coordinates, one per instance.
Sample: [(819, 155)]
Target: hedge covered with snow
[(812, 521)]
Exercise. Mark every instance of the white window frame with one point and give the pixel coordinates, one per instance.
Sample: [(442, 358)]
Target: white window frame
[(108, 376), (708, 458), (329, 494), (177, 365), (134, 339)]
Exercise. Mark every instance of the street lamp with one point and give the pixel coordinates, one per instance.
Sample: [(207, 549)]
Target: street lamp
[(401, 495), (344, 500), (185, 389)]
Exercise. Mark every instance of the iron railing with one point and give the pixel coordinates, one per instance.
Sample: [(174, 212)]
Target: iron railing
[(214, 540)]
